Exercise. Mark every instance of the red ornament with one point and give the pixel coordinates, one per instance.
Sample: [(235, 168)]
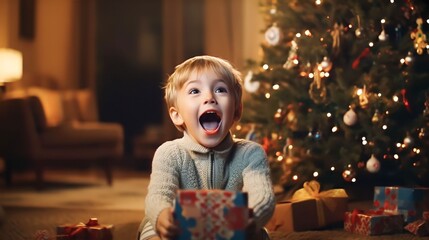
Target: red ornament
[(405, 100), (266, 144), (356, 62)]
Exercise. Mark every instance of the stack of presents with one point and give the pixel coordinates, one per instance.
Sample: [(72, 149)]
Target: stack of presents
[(395, 210)]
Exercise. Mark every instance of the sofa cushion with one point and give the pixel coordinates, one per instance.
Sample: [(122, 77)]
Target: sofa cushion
[(81, 134), (86, 105), (52, 104)]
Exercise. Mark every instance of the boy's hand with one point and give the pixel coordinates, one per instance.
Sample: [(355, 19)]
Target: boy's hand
[(165, 225)]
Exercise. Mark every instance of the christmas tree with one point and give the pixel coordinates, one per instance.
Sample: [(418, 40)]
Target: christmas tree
[(340, 93)]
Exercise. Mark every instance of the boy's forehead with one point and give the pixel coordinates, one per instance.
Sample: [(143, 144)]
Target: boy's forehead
[(196, 76), (196, 73)]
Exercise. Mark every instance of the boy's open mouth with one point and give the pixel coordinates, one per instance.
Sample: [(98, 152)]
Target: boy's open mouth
[(210, 121)]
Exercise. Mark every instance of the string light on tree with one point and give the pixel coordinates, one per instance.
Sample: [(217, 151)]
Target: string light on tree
[(383, 36), (326, 64), (409, 58), (349, 174), (358, 31), (408, 140)]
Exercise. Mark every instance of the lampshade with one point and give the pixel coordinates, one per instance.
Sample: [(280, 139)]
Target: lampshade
[(10, 65)]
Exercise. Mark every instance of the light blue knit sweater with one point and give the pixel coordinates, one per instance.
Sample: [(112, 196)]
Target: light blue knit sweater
[(184, 164)]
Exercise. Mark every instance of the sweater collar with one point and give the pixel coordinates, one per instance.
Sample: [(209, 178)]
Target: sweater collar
[(191, 145)]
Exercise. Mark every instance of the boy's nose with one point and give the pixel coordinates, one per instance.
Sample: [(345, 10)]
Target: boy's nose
[(210, 99)]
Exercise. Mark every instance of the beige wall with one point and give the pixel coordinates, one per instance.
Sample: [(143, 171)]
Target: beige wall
[(233, 30), (252, 26), (4, 21), (54, 50)]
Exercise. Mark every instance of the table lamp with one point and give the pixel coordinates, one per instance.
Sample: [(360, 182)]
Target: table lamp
[(10, 67)]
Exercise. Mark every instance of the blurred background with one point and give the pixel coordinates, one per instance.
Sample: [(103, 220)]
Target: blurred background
[(124, 50)]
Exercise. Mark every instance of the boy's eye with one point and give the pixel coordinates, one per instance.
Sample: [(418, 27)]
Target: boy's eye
[(194, 91), (221, 90)]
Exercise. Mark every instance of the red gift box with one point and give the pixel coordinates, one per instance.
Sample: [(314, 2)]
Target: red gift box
[(372, 222), (92, 230), (419, 227)]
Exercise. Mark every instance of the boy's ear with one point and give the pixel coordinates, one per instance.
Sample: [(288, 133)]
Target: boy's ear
[(175, 116)]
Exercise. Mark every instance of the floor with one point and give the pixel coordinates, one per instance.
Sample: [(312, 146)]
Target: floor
[(74, 195), (78, 188)]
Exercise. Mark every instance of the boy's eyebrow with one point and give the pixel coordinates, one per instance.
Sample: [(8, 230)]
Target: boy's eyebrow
[(189, 82), (197, 80)]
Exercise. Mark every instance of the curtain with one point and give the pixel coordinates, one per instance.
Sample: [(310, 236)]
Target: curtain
[(224, 30)]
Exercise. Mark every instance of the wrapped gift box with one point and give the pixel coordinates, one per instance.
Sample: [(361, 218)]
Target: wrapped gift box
[(370, 222), (212, 214), (309, 212), (419, 227), (410, 202), (91, 230)]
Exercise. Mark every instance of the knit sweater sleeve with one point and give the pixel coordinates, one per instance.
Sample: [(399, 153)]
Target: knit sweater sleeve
[(164, 181), (257, 182)]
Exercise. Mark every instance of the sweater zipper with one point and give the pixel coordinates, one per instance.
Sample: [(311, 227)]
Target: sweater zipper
[(212, 173)]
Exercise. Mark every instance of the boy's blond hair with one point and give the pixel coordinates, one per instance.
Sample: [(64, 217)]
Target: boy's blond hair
[(199, 63)]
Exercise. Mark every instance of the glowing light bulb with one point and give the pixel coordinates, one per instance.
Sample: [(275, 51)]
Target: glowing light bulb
[(359, 91), (395, 98), (276, 87)]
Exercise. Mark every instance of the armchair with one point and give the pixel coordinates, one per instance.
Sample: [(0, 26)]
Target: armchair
[(28, 140)]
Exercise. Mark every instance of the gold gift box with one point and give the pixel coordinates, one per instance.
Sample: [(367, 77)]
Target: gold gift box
[(309, 211)]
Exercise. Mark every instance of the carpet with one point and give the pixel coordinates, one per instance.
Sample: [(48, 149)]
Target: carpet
[(22, 223), (71, 197), (83, 189)]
